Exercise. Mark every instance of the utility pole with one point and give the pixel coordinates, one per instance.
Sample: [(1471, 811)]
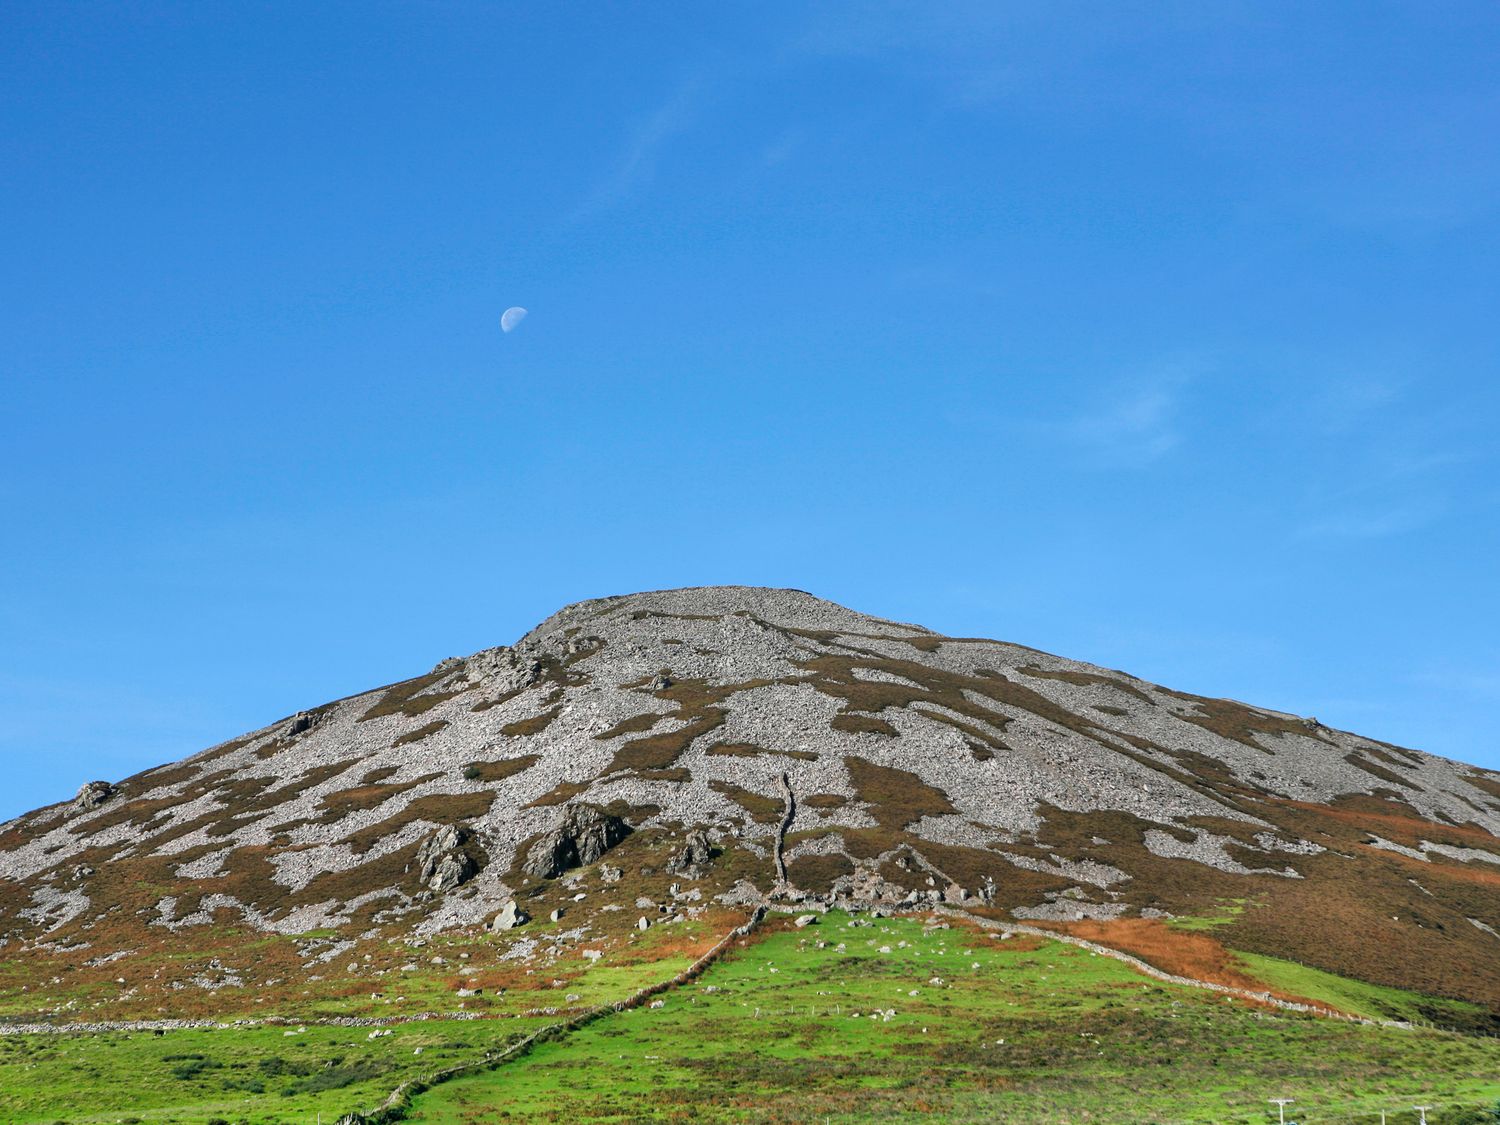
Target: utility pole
[(1281, 1104), (1422, 1109)]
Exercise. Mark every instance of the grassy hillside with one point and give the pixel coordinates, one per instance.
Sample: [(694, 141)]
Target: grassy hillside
[(849, 1019), (262, 1076), (898, 1021)]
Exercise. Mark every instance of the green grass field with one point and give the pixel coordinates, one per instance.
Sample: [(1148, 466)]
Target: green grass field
[(264, 1076), (847, 1020), (1016, 1031)]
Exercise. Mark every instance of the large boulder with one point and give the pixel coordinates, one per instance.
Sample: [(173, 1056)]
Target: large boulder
[(301, 723), (511, 915), (696, 853), (441, 864), (584, 835), (93, 794)]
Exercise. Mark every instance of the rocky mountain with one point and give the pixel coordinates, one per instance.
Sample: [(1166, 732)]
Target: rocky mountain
[(746, 743)]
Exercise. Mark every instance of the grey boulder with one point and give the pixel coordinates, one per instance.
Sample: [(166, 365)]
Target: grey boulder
[(697, 851), (511, 915), (441, 865), (92, 794), (584, 835)]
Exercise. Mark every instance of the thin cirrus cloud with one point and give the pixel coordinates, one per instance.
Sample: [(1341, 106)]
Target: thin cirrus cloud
[(1374, 524), (1131, 423), (1137, 428), (636, 165), (1386, 467), (1124, 424)]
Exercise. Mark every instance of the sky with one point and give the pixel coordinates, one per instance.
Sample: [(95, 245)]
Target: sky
[(1162, 336)]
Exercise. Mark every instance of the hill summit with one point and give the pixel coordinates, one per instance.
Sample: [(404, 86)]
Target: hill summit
[(739, 745)]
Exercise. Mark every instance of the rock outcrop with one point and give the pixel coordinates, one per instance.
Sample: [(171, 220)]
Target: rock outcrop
[(582, 838), (697, 853), (441, 864), (92, 794)]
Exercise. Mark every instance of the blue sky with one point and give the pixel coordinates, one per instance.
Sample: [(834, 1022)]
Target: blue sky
[(1161, 336)]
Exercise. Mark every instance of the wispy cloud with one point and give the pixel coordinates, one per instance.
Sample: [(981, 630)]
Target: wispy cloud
[(974, 51), (1374, 524), (637, 163), (1127, 422), (1130, 422), (1135, 425), (1381, 462)]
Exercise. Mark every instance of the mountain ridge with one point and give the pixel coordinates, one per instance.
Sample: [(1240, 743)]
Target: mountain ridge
[(920, 768)]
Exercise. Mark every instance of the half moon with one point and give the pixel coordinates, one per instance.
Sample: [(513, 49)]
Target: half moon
[(511, 317)]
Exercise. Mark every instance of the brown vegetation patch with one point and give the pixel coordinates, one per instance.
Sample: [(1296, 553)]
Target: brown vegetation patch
[(500, 770), (817, 872), (1354, 758), (534, 725), (420, 733), (660, 751), (138, 814), (275, 746), (1401, 759), (699, 706), (928, 643), (162, 778), (1390, 817), (1230, 719), (1489, 783), (394, 869), (972, 868), (633, 725), (750, 750), (376, 776), (1085, 679), (862, 724), (223, 751), (896, 798), (407, 698), (362, 798), (675, 773), (823, 801), (564, 793), (1186, 954), (503, 697), (435, 808), (762, 809)]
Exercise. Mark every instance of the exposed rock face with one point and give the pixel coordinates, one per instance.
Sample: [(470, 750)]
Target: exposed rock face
[(92, 794), (441, 866), (697, 852), (582, 838), (919, 769)]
